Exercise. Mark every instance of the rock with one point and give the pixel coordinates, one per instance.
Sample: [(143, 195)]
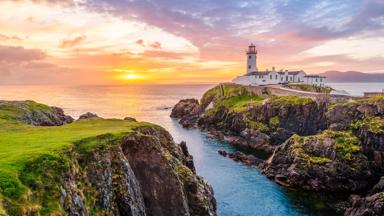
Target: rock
[(188, 161), (331, 161), (185, 107), (370, 131), (373, 204), (222, 152), (341, 116), (368, 206), (238, 156), (188, 110), (130, 119), (36, 114), (88, 115)]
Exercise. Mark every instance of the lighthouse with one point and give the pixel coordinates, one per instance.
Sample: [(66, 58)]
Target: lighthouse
[(251, 59)]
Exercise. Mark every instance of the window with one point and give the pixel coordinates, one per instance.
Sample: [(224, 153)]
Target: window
[(286, 78), (281, 78), (249, 57), (291, 78), (270, 76), (276, 77), (316, 79), (298, 79), (249, 66)]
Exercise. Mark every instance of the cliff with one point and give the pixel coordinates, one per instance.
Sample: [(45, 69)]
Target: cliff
[(314, 144), (93, 166)]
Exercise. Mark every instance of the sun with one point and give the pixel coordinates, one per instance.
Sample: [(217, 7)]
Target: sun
[(125, 74), (130, 76)]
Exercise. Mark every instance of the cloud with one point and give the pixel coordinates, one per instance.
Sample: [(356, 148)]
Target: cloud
[(20, 54), (12, 37), (156, 45), (68, 43), (140, 42)]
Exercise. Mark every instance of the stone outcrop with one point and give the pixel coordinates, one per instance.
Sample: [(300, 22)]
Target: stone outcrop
[(371, 205), (331, 161), (35, 114), (88, 115), (341, 116), (188, 110), (249, 160)]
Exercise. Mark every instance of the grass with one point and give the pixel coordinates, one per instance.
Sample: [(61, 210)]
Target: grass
[(20, 143), (30, 156), (283, 101), (239, 103), (310, 88), (229, 90)]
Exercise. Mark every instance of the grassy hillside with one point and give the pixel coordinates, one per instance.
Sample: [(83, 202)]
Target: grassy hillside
[(22, 146)]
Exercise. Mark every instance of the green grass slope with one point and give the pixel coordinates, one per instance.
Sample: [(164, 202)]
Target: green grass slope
[(22, 146)]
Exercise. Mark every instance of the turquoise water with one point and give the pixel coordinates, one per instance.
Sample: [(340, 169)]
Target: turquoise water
[(239, 190)]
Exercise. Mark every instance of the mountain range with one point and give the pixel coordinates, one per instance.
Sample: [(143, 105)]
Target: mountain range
[(352, 76)]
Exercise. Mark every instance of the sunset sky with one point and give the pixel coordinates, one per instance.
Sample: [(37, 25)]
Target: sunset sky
[(179, 41)]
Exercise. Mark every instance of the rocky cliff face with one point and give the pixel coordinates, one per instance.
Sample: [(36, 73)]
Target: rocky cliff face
[(372, 204)]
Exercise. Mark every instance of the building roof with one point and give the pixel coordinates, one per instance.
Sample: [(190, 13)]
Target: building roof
[(291, 72), (314, 76), (258, 73), (268, 72)]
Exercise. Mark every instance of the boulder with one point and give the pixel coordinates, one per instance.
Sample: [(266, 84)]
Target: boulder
[(130, 119), (88, 115), (188, 111)]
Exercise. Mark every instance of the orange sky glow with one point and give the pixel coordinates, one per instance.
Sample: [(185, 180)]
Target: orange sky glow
[(108, 42)]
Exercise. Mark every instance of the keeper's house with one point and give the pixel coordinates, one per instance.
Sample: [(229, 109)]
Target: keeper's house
[(255, 77)]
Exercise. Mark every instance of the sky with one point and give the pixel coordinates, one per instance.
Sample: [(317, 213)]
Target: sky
[(180, 41)]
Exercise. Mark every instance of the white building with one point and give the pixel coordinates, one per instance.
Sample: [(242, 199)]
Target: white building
[(255, 77)]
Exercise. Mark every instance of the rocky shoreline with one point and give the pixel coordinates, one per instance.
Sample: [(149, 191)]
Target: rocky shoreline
[(315, 145)]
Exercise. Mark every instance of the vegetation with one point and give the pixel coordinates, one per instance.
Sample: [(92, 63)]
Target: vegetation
[(284, 101), (274, 121), (310, 88), (300, 152), (223, 91), (345, 144), (239, 103), (258, 126), (16, 109), (35, 157), (374, 124)]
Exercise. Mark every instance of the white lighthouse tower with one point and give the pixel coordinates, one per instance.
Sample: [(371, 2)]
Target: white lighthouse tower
[(251, 59)]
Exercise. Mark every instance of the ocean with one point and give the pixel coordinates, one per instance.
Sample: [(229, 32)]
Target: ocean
[(239, 190)]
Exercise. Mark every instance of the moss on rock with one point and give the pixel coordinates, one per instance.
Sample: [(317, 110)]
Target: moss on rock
[(374, 124)]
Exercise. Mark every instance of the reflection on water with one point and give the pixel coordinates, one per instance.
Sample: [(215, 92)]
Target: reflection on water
[(240, 190)]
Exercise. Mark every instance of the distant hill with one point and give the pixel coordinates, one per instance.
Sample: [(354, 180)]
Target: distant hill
[(353, 76)]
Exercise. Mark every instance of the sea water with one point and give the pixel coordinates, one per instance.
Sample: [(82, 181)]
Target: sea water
[(240, 190)]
